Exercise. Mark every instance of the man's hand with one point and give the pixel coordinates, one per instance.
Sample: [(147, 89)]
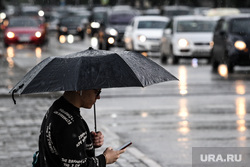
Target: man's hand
[(112, 155), (97, 138)]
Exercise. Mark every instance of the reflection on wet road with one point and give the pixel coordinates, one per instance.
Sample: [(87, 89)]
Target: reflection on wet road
[(166, 120)]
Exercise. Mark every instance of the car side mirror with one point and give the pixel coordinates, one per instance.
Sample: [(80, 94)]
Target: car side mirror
[(168, 31)]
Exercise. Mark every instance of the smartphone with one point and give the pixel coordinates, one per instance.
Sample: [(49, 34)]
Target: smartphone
[(125, 145)]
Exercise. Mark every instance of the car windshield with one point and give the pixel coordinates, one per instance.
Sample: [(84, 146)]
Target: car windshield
[(195, 26), (241, 26), (176, 12), (120, 18), (152, 24), (73, 20), (23, 23), (99, 16)]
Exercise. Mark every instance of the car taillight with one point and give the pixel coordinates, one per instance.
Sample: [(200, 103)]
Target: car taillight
[(38, 34), (10, 34)]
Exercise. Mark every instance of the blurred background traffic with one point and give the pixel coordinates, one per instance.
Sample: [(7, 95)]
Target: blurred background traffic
[(171, 29)]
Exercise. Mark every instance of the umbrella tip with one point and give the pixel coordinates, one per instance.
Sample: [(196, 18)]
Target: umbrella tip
[(90, 48)]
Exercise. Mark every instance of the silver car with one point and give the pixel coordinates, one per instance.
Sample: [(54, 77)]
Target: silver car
[(187, 37), (143, 34)]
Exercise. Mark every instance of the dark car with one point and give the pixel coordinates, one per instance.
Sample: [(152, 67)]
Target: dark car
[(111, 34), (72, 25), (97, 18), (171, 11), (27, 30), (231, 42)]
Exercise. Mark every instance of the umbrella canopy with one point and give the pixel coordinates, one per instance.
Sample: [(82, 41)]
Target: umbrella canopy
[(92, 69)]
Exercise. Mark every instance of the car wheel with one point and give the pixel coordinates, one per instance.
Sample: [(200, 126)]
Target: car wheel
[(230, 65), (230, 68), (105, 46), (100, 45), (82, 37), (164, 58), (215, 64), (175, 59), (209, 60)]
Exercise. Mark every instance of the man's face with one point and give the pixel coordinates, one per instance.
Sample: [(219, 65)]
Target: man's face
[(89, 97)]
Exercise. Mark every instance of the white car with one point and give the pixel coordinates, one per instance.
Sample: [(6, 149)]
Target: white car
[(187, 37), (144, 33)]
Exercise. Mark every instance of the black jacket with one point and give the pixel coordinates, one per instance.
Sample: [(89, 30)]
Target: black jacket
[(65, 139)]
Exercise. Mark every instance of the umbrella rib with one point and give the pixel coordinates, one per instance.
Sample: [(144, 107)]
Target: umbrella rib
[(132, 71)]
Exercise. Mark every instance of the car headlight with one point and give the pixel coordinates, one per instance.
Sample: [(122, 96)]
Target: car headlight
[(95, 25), (183, 42), (111, 31), (240, 45), (142, 38), (41, 13), (2, 15), (10, 34), (38, 34)]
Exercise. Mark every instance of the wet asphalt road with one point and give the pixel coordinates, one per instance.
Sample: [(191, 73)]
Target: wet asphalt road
[(164, 121)]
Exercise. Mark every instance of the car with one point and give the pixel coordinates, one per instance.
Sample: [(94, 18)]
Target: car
[(222, 11), (152, 11), (144, 33), (24, 30), (72, 25), (111, 34), (187, 37), (171, 11), (97, 18), (52, 20), (231, 42)]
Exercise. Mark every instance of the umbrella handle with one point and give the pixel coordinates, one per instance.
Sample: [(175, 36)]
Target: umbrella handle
[(14, 91), (95, 118), (13, 95)]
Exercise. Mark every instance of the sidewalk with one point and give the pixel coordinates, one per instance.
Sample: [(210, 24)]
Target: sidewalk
[(19, 130)]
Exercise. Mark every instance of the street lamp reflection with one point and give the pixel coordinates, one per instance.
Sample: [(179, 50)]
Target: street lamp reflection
[(183, 127), (183, 80), (240, 88), (241, 122), (144, 114), (222, 69), (10, 55), (113, 115), (38, 54), (183, 114), (241, 108)]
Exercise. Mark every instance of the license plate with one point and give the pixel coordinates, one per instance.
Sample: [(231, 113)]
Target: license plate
[(201, 52), (24, 38), (72, 31)]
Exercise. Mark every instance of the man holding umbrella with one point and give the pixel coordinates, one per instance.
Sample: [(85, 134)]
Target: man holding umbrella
[(65, 139)]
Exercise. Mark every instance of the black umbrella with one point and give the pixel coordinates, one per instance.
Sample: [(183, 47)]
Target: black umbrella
[(92, 69)]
